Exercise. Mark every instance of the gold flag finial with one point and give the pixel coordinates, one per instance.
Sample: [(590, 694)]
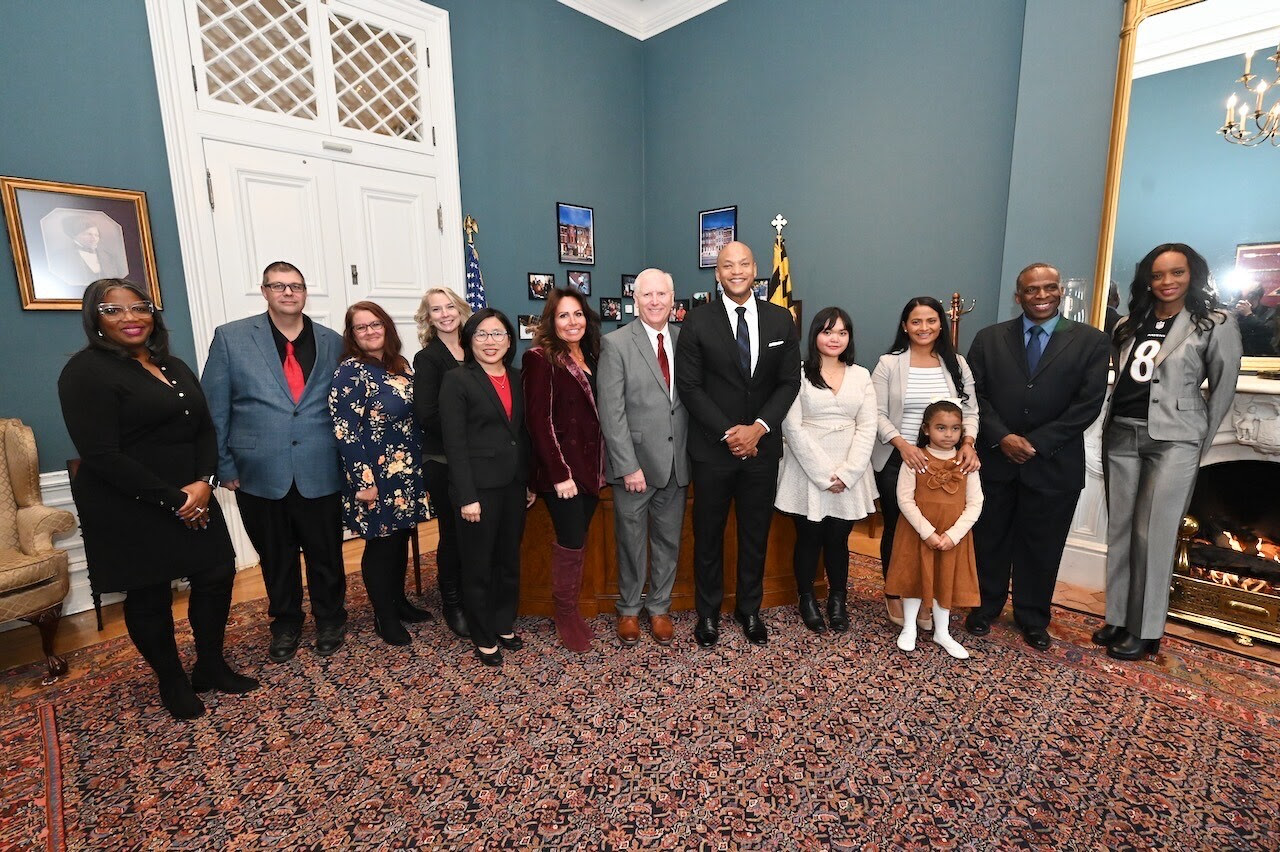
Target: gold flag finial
[(469, 225)]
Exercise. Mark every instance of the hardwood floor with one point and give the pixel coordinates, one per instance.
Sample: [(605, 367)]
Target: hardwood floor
[(22, 645)]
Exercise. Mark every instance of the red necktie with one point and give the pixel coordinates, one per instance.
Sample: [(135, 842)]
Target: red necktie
[(663, 365), (293, 373)]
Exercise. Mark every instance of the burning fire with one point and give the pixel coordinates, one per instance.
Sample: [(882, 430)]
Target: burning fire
[(1232, 581), (1264, 549)]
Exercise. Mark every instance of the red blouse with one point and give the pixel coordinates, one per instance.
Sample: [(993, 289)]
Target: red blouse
[(502, 384)]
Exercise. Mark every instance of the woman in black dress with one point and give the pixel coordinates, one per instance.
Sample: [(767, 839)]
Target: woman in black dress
[(440, 318), (148, 454)]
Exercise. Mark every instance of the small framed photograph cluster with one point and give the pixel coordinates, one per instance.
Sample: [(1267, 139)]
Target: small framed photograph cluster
[(716, 229), (66, 236)]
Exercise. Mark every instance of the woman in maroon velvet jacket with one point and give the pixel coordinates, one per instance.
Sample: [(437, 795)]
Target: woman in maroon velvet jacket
[(558, 376)]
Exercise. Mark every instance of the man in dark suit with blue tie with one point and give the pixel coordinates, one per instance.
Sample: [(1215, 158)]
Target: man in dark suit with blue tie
[(267, 380), (1040, 379), (738, 371)]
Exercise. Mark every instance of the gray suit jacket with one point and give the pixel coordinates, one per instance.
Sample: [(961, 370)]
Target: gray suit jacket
[(264, 439), (644, 428), (1178, 410), (890, 381)]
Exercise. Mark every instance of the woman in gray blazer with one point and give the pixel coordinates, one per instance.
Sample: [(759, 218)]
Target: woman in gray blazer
[(922, 366), (1158, 426)]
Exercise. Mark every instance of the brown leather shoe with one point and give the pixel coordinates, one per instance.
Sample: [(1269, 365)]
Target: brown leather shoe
[(628, 629), (662, 628)]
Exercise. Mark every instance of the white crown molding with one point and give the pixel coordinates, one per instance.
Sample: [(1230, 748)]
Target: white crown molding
[(642, 19), (1205, 32)]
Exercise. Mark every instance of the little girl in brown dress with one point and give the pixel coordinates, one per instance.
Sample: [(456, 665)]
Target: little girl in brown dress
[(928, 565)]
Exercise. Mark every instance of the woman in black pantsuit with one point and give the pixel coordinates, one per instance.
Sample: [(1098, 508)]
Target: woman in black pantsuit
[(482, 419), (440, 318), (148, 455)]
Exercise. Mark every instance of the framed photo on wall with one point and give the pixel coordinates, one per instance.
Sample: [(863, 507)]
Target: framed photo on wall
[(716, 229), (628, 286), (576, 227), (65, 236), (610, 308), (580, 279), (528, 325), (541, 284)]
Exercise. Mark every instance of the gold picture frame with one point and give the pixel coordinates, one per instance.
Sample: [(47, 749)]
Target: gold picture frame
[(60, 232)]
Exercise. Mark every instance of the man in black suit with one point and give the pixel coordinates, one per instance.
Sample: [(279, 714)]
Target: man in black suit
[(1041, 379), (738, 371)]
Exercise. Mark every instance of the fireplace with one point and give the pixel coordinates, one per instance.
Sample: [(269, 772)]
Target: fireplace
[(1227, 574)]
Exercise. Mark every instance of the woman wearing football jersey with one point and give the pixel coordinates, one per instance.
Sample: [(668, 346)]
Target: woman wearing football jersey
[(1158, 425)]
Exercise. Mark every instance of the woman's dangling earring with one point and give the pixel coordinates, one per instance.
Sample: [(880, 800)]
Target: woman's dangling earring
[(100, 333)]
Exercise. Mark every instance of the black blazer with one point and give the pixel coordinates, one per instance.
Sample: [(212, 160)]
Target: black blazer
[(486, 449), (719, 395), (429, 367), (1051, 408)]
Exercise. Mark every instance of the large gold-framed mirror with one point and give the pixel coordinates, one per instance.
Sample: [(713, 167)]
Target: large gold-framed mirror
[(1172, 177)]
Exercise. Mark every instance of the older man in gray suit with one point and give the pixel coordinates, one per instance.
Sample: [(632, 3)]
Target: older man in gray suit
[(645, 426), (267, 380)]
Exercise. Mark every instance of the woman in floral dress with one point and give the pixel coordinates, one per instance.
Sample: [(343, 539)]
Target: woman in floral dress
[(383, 498)]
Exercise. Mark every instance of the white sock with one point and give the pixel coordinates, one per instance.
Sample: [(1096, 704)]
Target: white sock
[(942, 634), (907, 638)]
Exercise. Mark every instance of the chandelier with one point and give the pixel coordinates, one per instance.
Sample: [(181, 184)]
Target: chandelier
[(1265, 125)]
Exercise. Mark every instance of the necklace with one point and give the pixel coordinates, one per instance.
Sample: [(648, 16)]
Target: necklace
[(500, 381)]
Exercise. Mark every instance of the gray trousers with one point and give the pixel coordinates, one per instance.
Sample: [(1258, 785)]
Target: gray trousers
[(647, 533), (1149, 486)]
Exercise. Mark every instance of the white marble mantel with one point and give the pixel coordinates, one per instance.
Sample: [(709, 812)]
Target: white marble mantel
[(1251, 430)]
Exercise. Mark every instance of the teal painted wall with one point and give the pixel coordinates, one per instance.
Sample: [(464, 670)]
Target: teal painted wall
[(885, 132), (1066, 84), (881, 131), (78, 96), (1182, 183)]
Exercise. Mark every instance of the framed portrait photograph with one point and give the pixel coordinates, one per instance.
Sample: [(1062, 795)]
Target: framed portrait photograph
[(66, 236), (628, 286), (541, 284), (580, 279), (610, 308), (527, 324), (761, 289), (716, 229), (700, 298), (576, 227), (679, 310)]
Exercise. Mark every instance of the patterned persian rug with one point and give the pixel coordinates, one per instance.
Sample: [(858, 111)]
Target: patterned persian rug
[(812, 742)]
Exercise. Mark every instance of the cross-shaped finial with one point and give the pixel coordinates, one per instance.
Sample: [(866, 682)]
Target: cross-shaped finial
[(778, 223), (469, 225)]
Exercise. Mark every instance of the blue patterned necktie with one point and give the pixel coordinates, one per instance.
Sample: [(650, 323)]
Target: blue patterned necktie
[(744, 342), (1035, 348)]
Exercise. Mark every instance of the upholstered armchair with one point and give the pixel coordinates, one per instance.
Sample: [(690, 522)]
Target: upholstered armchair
[(33, 574)]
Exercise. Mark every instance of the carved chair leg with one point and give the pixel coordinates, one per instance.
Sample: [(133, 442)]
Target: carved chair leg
[(46, 621), (97, 607)]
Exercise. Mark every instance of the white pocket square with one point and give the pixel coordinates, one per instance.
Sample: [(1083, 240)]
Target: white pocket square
[(776, 343)]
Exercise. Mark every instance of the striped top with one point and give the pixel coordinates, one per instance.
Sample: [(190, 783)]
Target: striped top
[(924, 386)]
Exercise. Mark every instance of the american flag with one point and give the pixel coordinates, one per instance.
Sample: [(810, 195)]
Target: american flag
[(475, 281)]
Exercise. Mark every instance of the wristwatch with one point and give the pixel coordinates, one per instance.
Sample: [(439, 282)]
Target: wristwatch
[(211, 480)]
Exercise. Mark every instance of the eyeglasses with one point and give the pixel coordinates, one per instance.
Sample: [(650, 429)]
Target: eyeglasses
[(368, 326), (482, 336), (110, 309), (279, 287)]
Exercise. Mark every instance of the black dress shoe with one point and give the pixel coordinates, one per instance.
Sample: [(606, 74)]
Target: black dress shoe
[(753, 628), (284, 645), (413, 614), (511, 643), (329, 638), (491, 659), (391, 631), (1107, 634), (1036, 637), (810, 614), (976, 624), (456, 620), (1130, 647), (707, 632)]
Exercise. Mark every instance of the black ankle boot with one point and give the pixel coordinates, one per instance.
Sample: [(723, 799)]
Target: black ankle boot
[(1130, 647), (220, 677), (837, 615), (180, 699), (810, 614), (1107, 634), (412, 614), (390, 630), (451, 601)]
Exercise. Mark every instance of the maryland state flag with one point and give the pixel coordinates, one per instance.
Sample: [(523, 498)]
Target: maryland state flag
[(780, 281)]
